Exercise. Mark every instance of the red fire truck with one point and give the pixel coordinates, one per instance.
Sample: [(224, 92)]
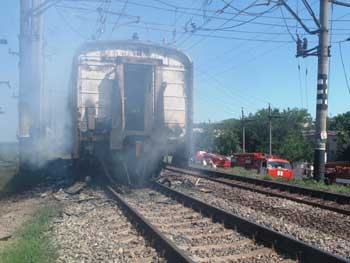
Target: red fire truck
[(212, 159), (264, 164)]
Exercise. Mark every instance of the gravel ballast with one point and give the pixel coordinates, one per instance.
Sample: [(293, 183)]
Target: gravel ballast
[(325, 229)]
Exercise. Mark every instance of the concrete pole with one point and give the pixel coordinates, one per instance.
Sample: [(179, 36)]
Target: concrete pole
[(322, 94), (30, 83), (243, 132), (24, 109), (270, 131)]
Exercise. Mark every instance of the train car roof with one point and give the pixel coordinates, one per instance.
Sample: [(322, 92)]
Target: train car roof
[(98, 45)]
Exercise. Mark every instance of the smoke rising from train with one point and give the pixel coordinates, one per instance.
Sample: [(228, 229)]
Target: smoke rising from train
[(131, 104)]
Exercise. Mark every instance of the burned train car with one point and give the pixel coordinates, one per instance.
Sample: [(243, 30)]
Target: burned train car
[(132, 103)]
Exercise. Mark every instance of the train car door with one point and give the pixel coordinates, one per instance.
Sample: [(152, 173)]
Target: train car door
[(137, 83)]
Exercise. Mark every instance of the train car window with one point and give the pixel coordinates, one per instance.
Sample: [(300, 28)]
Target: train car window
[(137, 80)]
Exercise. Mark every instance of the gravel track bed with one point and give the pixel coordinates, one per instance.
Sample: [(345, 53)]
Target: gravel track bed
[(93, 229), (322, 228), (199, 237)]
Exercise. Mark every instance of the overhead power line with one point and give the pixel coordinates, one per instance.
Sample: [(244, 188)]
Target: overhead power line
[(215, 36), (296, 16), (311, 12), (186, 9), (230, 20), (284, 20), (74, 30), (340, 3), (122, 13), (342, 61), (183, 13)]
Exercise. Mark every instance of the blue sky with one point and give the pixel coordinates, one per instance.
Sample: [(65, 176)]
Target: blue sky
[(237, 63)]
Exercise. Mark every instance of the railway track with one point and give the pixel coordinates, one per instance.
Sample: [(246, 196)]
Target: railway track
[(185, 229), (325, 229), (93, 229), (339, 203)]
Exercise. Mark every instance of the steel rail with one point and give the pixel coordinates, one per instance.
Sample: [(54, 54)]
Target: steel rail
[(161, 243), (286, 195), (330, 196), (280, 242)]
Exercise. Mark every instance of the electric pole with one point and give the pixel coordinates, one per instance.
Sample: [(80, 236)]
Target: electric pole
[(270, 117), (24, 112), (270, 131), (322, 52), (30, 82), (322, 94), (243, 131)]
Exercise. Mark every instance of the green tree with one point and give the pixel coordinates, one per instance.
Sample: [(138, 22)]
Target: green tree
[(227, 140), (288, 138), (288, 127), (341, 125)]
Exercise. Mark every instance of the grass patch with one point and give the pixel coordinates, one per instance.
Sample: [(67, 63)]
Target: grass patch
[(337, 188), (310, 183), (33, 243)]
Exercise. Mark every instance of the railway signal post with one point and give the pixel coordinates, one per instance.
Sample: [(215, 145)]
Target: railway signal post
[(322, 94)]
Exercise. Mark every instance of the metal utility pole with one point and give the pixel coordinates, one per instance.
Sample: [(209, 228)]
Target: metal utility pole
[(30, 82), (243, 132), (322, 94), (270, 117), (270, 131), (322, 52)]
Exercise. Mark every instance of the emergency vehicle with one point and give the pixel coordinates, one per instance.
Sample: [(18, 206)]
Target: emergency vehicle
[(211, 159), (264, 164)]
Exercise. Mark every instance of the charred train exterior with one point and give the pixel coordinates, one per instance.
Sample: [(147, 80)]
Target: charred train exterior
[(131, 99)]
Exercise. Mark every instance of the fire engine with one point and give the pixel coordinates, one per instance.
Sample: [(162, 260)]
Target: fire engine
[(264, 164), (337, 172), (212, 159)]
